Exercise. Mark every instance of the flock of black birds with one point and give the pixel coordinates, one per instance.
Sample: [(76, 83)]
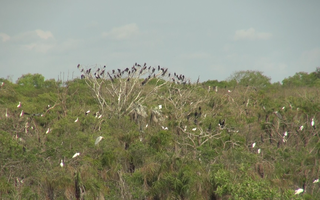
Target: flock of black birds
[(135, 72)]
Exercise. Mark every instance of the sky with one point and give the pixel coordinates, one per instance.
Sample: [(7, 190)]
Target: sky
[(206, 39)]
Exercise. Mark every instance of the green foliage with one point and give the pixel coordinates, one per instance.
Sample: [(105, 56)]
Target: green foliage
[(250, 78), (177, 151)]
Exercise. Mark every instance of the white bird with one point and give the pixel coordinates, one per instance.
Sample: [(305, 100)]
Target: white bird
[(140, 139), (98, 140), (99, 116), (253, 145), (312, 122), (48, 131), (316, 181), (19, 105), (285, 134), (147, 126), (76, 120), (185, 128), (229, 91), (21, 114), (88, 111), (76, 154), (259, 151), (283, 108), (6, 113), (164, 128), (61, 163), (160, 107), (301, 128), (298, 191), (194, 129)]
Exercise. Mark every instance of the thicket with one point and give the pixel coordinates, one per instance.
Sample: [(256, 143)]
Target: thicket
[(266, 149)]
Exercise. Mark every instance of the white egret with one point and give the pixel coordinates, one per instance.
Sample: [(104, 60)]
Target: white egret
[(76, 120), (19, 105), (298, 191), (312, 122), (99, 116), (194, 129), (316, 181), (61, 163), (253, 145), (283, 108), (48, 131), (285, 134), (76, 154), (301, 128), (147, 126), (160, 107), (98, 140), (21, 114), (259, 151)]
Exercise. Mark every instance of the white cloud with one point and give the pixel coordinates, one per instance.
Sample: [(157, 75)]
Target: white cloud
[(44, 34), (4, 37), (123, 32), (251, 34)]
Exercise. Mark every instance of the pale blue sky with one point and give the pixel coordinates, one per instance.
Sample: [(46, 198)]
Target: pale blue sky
[(210, 39)]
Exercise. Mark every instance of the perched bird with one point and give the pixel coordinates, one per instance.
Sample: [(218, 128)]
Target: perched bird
[(229, 91), (88, 111), (194, 129), (316, 181), (259, 151), (48, 131), (98, 140), (253, 145), (283, 108), (76, 154), (221, 123), (99, 116), (298, 191), (21, 114), (19, 105), (160, 107), (61, 163), (76, 120), (312, 123), (301, 128), (147, 126), (164, 128)]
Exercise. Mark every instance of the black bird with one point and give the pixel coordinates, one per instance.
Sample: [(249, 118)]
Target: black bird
[(158, 67), (221, 124), (78, 66), (82, 76)]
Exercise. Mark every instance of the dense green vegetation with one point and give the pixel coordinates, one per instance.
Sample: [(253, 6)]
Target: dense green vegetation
[(138, 158)]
